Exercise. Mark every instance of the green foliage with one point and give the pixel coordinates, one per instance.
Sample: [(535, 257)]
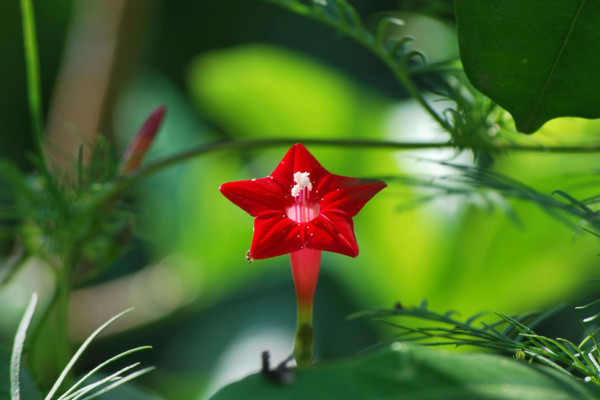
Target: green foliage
[(403, 371), (104, 385), (73, 217), (473, 121), (510, 334), (536, 59), (77, 391), (478, 124), (471, 181), (396, 54)]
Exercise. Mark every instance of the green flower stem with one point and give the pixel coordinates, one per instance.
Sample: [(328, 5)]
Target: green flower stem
[(33, 75), (244, 144), (304, 340), (56, 313), (61, 306), (43, 319)]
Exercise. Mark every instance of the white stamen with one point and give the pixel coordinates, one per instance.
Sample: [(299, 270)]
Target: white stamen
[(302, 181)]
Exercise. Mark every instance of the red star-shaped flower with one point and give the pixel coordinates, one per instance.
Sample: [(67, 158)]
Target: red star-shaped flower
[(302, 209), (302, 205)]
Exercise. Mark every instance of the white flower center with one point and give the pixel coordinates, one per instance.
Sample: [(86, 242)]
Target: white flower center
[(302, 182), (304, 209)]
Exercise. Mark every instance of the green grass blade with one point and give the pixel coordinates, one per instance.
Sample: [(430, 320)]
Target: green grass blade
[(120, 382), (99, 367), (111, 378), (80, 351), (17, 353), (34, 90)]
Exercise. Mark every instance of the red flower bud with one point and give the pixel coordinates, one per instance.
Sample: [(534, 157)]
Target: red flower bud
[(141, 143)]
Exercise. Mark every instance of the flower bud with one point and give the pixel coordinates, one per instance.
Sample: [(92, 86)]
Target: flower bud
[(141, 143)]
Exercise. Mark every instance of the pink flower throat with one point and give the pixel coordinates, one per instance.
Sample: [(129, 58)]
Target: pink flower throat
[(304, 208)]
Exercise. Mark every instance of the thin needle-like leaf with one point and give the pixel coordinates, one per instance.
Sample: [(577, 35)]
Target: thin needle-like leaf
[(17, 352), (113, 377), (119, 383), (80, 351), (99, 367)]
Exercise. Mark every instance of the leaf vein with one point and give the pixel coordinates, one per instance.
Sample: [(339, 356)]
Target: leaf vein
[(556, 62)]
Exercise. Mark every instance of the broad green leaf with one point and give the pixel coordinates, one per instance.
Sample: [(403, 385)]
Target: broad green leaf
[(537, 59), (28, 389), (417, 373)]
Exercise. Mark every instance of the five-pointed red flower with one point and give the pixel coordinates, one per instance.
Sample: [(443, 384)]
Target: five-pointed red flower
[(302, 209), (302, 205)]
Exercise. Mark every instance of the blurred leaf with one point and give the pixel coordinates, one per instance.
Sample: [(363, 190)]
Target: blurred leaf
[(538, 60), (265, 91), (28, 389), (417, 373), (463, 256)]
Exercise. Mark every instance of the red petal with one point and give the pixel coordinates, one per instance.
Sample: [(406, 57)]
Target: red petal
[(274, 235), (257, 196), (347, 194), (332, 231), (298, 159)]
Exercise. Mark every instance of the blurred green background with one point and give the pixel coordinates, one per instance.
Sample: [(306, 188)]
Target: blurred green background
[(256, 71)]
